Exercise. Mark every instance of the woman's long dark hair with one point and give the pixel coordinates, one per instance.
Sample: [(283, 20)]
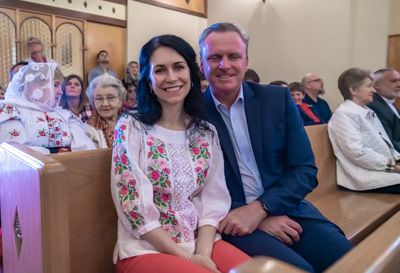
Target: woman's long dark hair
[(83, 99), (149, 109)]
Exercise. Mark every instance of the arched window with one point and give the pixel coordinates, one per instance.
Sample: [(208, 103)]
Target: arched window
[(35, 27), (69, 49), (8, 49)]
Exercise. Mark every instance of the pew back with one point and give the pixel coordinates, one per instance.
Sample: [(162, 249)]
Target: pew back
[(33, 210), (356, 213), (91, 212), (66, 214)]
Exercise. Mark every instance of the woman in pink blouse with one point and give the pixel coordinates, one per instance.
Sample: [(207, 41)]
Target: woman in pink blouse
[(168, 181)]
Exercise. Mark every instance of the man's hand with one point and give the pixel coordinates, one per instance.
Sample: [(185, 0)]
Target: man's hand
[(397, 168), (283, 228), (244, 220)]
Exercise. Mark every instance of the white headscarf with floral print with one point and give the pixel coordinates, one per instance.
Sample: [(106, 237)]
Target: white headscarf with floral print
[(33, 87)]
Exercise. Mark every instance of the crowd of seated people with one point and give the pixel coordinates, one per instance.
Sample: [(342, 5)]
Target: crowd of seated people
[(166, 135)]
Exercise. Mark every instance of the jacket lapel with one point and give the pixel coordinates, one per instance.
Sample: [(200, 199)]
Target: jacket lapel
[(253, 117), (215, 118)]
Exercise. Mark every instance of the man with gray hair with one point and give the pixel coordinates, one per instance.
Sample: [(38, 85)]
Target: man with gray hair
[(269, 164), (35, 48), (387, 86), (314, 87)]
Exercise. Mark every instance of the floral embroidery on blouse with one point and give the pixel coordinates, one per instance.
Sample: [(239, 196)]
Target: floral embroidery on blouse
[(55, 132), (126, 183), (158, 174), (14, 133), (201, 158), (9, 110)]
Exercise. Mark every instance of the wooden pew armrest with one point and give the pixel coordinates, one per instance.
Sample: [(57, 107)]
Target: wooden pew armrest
[(263, 264), (379, 252)]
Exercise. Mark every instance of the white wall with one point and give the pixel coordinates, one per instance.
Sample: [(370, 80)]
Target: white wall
[(288, 38), (146, 21), (394, 18)]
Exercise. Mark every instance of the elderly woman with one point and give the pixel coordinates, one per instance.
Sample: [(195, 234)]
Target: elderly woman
[(30, 114), (106, 95), (366, 159), (74, 97)]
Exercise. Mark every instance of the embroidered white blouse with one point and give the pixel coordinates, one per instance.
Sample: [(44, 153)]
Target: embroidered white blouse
[(365, 154), (161, 178), (40, 130)]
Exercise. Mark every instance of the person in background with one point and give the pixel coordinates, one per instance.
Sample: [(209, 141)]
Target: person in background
[(133, 71), (366, 158), (251, 76), (103, 59), (387, 86), (279, 83), (203, 82), (269, 163), (314, 87), (15, 68), (30, 114), (35, 48), (74, 97), (305, 110), (2, 91), (106, 95), (131, 102), (167, 179)]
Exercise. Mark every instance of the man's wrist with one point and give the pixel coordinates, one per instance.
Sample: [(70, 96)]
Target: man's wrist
[(263, 207)]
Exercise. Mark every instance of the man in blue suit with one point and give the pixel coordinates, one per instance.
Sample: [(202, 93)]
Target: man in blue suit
[(269, 164), (387, 86)]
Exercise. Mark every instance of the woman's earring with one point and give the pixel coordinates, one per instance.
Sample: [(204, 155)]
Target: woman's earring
[(191, 86), (152, 91)]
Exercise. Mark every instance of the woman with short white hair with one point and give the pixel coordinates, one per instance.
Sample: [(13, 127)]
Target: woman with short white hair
[(106, 95)]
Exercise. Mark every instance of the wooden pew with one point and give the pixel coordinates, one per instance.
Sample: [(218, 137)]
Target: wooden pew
[(356, 213), (67, 220), (379, 252)]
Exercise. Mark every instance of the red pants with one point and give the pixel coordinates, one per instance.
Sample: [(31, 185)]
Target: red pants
[(224, 255)]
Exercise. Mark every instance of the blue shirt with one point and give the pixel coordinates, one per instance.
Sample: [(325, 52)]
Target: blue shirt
[(235, 121), (98, 71), (320, 108)]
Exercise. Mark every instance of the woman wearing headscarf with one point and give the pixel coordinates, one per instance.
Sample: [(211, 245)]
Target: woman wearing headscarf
[(30, 114)]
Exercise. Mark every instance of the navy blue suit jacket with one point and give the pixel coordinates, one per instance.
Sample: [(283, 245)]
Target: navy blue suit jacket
[(281, 149), (389, 120)]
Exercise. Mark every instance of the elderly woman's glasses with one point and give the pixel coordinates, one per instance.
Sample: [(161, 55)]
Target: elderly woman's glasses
[(110, 99)]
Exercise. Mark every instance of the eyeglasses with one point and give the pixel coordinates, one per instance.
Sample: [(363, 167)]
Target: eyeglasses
[(131, 90), (316, 80), (110, 99), (34, 43)]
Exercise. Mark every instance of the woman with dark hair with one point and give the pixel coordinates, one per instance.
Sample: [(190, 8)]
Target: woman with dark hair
[(168, 181), (130, 102), (366, 158), (74, 97)]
